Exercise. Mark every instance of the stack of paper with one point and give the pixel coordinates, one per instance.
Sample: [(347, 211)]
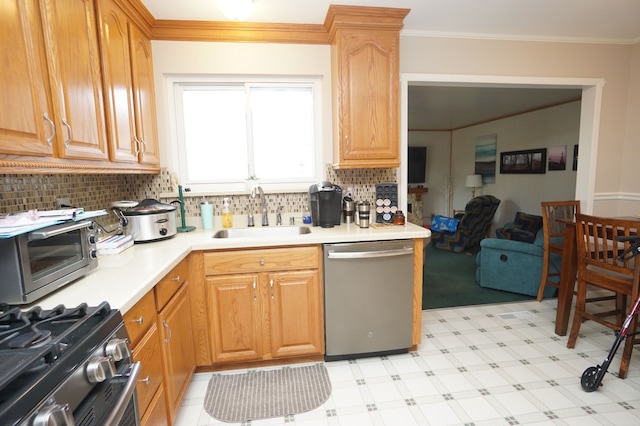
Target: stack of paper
[(114, 244), (19, 223)]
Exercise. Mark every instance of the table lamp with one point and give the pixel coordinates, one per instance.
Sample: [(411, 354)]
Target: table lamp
[(473, 182)]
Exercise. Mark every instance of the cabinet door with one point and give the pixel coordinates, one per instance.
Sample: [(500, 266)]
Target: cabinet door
[(296, 313), (116, 68), (144, 97), (368, 99), (25, 126), (234, 306), (174, 323), (75, 79)]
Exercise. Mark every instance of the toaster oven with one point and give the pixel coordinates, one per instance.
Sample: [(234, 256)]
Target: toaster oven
[(35, 263)]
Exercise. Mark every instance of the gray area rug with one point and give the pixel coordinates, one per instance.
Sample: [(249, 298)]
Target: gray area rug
[(264, 394)]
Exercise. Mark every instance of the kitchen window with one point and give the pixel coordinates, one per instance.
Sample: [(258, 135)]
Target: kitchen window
[(228, 131)]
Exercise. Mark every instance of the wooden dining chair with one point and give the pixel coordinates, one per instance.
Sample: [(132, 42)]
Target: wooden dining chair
[(553, 212), (600, 268)]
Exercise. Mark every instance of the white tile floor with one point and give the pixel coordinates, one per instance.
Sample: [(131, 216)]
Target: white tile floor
[(474, 367)]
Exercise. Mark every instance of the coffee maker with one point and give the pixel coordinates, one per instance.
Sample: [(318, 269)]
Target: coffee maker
[(326, 204)]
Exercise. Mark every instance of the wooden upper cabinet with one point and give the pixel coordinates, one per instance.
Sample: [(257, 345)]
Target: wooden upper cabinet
[(365, 65), (116, 69), (144, 96), (128, 76), (75, 79), (25, 128)]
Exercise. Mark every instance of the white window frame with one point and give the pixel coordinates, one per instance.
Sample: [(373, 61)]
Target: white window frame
[(241, 186)]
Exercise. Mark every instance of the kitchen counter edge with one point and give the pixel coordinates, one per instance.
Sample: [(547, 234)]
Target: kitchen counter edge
[(123, 279)]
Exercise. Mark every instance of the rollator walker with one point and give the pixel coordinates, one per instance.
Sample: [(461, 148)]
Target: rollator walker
[(592, 377)]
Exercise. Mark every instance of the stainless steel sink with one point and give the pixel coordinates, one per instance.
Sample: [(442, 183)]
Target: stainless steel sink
[(280, 231)]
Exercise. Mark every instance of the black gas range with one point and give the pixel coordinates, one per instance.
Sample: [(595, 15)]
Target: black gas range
[(66, 366)]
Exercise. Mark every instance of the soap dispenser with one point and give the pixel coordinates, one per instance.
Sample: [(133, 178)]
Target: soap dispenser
[(227, 216)]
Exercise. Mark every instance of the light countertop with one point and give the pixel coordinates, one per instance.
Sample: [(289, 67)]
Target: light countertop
[(122, 279)]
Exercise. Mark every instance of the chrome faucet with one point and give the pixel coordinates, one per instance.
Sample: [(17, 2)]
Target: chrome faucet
[(265, 219)]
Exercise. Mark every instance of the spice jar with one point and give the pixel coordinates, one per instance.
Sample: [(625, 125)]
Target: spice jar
[(398, 218)]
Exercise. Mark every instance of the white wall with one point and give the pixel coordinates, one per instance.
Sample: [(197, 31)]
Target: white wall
[(546, 128), (619, 107), (438, 152), (233, 59), (518, 192)]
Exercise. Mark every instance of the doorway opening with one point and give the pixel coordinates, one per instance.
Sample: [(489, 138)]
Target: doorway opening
[(589, 119)]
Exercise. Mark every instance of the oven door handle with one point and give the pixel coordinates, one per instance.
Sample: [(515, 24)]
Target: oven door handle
[(58, 230), (123, 401)]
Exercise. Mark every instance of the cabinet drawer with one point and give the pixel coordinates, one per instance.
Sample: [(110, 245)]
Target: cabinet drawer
[(156, 414), (262, 260), (139, 318), (171, 282), (148, 353)]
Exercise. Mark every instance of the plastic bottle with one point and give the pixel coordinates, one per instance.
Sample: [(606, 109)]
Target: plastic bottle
[(227, 216), (206, 211)]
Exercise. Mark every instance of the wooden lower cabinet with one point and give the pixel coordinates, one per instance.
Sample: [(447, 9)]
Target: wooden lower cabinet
[(156, 414), (159, 327), (174, 324), (261, 312)]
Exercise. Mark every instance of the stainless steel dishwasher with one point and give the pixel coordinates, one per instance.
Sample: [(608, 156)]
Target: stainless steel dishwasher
[(368, 298)]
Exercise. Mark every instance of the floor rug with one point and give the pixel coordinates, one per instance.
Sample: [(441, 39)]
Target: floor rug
[(264, 394), (449, 280)]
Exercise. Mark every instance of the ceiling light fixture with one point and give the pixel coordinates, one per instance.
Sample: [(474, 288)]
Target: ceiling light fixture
[(236, 10)]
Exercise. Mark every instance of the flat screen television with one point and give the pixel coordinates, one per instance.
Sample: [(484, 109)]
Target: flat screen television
[(417, 158)]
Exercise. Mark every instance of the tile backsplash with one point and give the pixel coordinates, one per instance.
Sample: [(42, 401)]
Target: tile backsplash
[(21, 192)]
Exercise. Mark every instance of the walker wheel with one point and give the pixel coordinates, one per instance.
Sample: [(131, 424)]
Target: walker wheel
[(589, 380)]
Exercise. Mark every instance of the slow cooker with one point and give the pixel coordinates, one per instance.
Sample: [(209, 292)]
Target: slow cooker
[(150, 220)]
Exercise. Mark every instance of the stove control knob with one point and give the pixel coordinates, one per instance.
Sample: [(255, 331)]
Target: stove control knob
[(58, 414), (118, 349), (100, 369)]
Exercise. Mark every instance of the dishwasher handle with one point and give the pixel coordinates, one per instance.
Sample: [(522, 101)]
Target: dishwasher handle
[(369, 254)]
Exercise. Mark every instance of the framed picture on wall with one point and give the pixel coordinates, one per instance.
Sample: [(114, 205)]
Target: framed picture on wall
[(526, 161), (575, 157), (557, 156)]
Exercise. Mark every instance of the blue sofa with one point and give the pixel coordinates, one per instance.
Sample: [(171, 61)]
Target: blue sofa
[(514, 266)]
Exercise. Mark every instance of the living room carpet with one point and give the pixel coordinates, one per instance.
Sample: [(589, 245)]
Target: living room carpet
[(449, 279), (254, 395)]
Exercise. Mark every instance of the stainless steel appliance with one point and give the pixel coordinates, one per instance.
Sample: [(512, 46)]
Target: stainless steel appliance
[(35, 263), (348, 208), (150, 220), (325, 199), (368, 298), (66, 366)]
